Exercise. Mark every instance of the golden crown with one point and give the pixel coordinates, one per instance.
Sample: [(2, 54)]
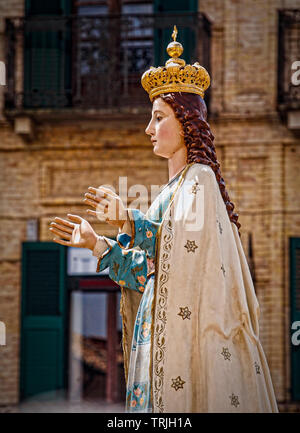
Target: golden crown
[(175, 76)]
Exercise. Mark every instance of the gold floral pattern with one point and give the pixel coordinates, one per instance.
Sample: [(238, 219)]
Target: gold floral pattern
[(141, 279), (177, 383), (137, 269), (234, 400), (185, 313), (149, 234), (190, 246), (225, 352), (137, 392)]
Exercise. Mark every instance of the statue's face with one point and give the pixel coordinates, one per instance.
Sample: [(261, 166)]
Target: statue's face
[(165, 130)]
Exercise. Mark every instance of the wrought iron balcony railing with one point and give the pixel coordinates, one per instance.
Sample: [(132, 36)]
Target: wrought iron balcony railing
[(93, 61), (288, 55)]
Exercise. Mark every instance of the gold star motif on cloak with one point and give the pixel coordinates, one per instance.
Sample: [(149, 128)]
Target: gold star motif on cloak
[(234, 400), (177, 383), (220, 227), (190, 246), (195, 188), (257, 368), (226, 353), (185, 313)]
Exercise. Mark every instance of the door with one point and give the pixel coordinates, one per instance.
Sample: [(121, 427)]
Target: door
[(43, 318)]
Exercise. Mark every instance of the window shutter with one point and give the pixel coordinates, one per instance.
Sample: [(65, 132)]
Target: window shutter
[(175, 6), (47, 55), (45, 7), (40, 267), (43, 318)]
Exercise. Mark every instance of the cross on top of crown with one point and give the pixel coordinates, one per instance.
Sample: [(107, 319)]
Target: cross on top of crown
[(174, 34)]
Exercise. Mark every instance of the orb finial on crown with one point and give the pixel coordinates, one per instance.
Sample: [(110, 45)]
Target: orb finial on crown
[(175, 49)]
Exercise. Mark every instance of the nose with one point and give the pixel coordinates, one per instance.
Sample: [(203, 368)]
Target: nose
[(150, 130)]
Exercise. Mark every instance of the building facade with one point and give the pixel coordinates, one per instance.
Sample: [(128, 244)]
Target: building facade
[(73, 115)]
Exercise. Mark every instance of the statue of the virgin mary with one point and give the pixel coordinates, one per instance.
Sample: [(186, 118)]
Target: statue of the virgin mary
[(189, 309)]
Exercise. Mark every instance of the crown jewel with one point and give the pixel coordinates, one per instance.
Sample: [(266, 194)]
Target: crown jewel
[(175, 76)]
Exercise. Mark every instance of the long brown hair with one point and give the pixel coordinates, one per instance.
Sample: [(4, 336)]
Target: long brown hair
[(190, 110)]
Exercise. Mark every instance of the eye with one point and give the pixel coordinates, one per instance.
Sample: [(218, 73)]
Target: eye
[(158, 118)]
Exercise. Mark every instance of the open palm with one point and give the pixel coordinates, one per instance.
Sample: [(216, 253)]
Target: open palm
[(74, 233)]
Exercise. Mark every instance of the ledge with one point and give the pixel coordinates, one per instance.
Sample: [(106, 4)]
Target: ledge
[(242, 116), (75, 114)]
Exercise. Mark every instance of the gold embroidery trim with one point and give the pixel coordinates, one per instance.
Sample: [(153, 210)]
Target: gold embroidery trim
[(154, 302)]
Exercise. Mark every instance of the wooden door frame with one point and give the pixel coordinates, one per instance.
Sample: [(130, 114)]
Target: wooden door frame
[(103, 285)]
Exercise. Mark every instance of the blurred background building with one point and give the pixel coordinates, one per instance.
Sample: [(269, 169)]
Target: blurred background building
[(73, 115)]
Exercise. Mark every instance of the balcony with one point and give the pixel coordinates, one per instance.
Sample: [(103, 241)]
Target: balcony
[(288, 65), (92, 64)]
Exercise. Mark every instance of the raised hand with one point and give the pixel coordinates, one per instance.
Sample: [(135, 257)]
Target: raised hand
[(107, 204), (74, 233)]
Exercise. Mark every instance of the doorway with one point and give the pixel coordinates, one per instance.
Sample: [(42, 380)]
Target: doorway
[(95, 333)]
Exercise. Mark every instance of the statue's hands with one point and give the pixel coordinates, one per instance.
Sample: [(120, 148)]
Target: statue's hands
[(78, 233), (107, 204)]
